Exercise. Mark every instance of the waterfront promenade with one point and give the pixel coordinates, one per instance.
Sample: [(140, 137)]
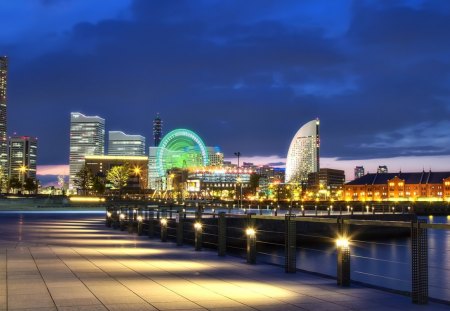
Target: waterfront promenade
[(69, 261)]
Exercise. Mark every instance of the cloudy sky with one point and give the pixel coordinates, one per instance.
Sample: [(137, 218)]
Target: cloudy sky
[(244, 75)]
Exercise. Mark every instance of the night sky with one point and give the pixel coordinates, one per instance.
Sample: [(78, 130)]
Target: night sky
[(244, 75)]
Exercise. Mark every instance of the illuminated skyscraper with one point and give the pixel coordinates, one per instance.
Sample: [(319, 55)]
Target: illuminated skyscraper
[(22, 157), (157, 130), (303, 154), (120, 143), (87, 137), (3, 123)]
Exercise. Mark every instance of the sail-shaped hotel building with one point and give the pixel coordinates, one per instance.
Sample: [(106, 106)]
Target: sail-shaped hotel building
[(303, 154)]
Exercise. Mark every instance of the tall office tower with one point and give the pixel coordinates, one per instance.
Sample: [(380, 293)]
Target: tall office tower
[(215, 156), (120, 143), (154, 181), (87, 137), (22, 156), (3, 123), (303, 154), (382, 169), (359, 172), (157, 130)]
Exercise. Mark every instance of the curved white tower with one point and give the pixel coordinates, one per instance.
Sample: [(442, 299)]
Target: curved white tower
[(303, 154)]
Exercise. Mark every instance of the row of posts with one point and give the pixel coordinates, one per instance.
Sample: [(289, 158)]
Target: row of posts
[(130, 218)]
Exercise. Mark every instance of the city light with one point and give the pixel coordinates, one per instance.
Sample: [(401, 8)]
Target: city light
[(250, 232), (342, 242), (197, 225)]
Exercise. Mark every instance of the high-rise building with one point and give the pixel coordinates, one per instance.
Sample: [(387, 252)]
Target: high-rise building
[(157, 130), (303, 154), (382, 169), (3, 119), (87, 137), (215, 156), (154, 180), (22, 156), (120, 143), (359, 172)]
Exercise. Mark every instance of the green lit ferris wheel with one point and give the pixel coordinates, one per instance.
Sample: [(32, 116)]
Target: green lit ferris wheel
[(181, 148)]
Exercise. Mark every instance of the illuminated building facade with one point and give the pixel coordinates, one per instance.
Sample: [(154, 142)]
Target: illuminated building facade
[(101, 164), (303, 154), (327, 182), (120, 143), (22, 156), (215, 156), (359, 172), (3, 115), (157, 130), (399, 187), (87, 137), (218, 183)]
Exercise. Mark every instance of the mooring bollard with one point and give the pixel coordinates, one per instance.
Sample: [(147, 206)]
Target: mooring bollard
[(198, 231), (222, 234), (179, 220), (163, 223), (290, 244)]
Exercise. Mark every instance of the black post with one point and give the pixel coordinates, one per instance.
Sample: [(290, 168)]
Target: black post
[(180, 220), (343, 255), (251, 240), (290, 241), (222, 234), (419, 247)]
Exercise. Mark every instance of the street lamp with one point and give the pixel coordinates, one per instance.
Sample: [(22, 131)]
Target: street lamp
[(238, 154)]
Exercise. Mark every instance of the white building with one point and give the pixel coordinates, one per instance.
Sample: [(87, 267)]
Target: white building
[(87, 137), (303, 154), (120, 143)]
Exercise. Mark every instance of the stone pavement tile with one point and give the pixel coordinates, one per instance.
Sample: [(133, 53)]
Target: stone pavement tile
[(35, 309), (116, 299), (278, 307), (324, 306), (76, 301), (157, 298), (131, 307), (243, 308), (97, 307), (29, 301), (223, 303), (176, 305)]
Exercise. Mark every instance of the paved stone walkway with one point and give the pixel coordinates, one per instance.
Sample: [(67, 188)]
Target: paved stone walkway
[(72, 262)]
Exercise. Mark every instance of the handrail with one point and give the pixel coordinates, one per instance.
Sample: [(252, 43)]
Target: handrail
[(359, 222)]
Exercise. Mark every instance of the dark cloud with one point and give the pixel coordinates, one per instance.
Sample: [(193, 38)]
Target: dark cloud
[(246, 76)]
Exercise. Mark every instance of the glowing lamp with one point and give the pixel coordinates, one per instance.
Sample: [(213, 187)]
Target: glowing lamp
[(122, 216), (163, 221), (108, 214), (250, 232), (342, 243), (139, 218), (198, 226)]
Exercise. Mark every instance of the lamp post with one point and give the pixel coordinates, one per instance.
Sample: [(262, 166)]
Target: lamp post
[(238, 154), (137, 173)]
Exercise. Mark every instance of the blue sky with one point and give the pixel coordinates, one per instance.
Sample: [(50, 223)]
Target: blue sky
[(245, 75)]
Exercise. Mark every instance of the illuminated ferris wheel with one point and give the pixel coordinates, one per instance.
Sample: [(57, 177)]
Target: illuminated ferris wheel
[(181, 148)]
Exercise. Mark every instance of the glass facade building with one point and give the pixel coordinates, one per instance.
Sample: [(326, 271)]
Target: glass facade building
[(3, 119), (22, 156), (87, 137), (120, 143), (303, 154)]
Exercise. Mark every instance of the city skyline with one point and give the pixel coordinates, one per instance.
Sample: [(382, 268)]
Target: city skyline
[(243, 76)]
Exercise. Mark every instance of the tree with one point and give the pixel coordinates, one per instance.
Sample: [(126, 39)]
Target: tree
[(118, 176), (254, 182), (83, 180), (14, 183), (98, 185), (30, 185)]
